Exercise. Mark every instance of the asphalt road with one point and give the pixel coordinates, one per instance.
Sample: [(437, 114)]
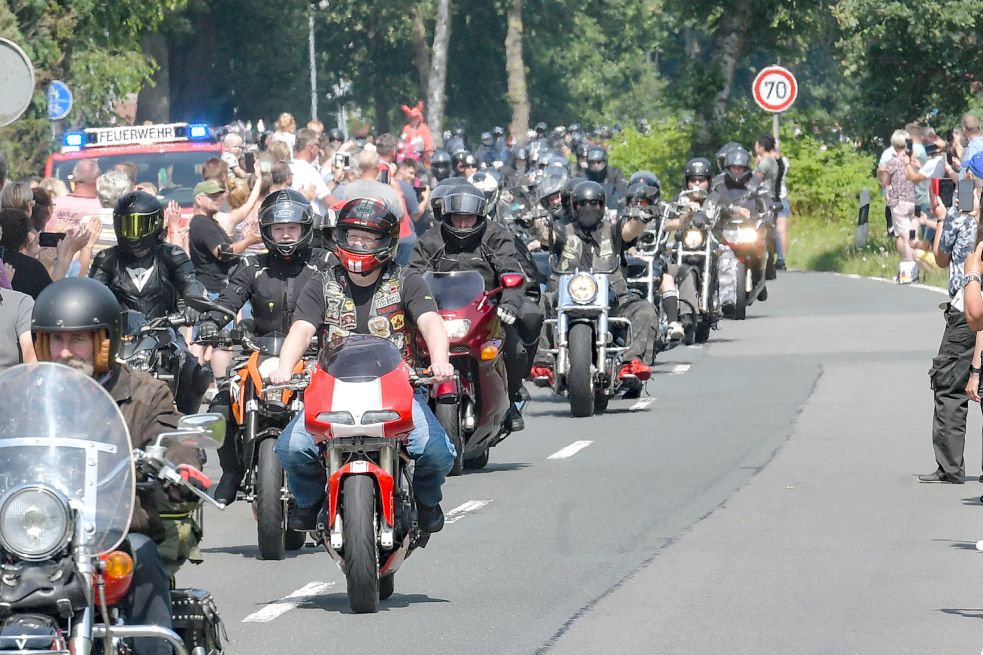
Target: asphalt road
[(759, 499)]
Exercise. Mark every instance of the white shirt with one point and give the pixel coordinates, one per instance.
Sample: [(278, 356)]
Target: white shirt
[(305, 175)]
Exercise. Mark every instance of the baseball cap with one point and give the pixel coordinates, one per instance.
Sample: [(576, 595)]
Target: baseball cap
[(208, 187), (975, 165)]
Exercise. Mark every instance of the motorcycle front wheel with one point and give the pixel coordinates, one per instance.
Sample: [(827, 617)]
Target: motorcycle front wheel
[(580, 381), (271, 527), (450, 418), (740, 307), (361, 554)]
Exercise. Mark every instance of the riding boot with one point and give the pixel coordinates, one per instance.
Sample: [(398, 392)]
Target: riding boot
[(228, 455)]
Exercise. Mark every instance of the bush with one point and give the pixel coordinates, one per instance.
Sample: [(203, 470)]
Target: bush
[(664, 151)]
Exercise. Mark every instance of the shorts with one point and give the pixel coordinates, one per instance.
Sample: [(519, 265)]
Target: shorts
[(903, 218), (786, 209)]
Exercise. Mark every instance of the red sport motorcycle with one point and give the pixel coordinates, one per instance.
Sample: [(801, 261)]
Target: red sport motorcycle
[(472, 411), (359, 403)]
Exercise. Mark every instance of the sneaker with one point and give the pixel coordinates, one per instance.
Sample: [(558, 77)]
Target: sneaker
[(676, 331), (514, 419), (304, 519), (430, 517), (542, 376), (635, 369)]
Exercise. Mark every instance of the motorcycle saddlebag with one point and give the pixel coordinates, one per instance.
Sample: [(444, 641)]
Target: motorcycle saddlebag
[(195, 619)]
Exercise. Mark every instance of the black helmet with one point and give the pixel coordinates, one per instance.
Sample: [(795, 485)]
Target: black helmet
[(737, 157), (438, 193), (550, 191), (644, 185), (370, 215), (587, 200), (541, 129), (722, 153), (440, 165), (566, 192), (597, 163), (698, 167), (139, 222), (457, 131), (464, 199), (286, 206), (79, 304), (463, 158), (335, 134)]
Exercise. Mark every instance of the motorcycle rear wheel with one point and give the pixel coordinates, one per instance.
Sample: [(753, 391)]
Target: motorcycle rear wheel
[(361, 552), (740, 307), (450, 418), (271, 525), (580, 381)]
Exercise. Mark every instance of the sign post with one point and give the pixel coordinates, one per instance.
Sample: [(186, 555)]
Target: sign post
[(775, 89)]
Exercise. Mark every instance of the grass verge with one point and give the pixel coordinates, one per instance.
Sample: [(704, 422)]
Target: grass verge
[(816, 244)]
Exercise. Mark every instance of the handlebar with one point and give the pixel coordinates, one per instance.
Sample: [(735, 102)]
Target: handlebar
[(153, 462)]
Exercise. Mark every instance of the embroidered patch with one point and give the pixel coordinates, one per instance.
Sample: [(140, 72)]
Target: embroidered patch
[(398, 322), (379, 326)]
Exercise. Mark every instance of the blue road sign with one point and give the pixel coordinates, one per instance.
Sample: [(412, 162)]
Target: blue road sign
[(59, 100)]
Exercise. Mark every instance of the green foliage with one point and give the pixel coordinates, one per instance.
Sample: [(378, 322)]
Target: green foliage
[(663, 151)]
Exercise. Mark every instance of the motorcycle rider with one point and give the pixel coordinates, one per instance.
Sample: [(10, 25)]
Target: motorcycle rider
[(591, 243), (148, 275), (610, 178), (465, 240), (272, 282), (368, 293), (78, 322)]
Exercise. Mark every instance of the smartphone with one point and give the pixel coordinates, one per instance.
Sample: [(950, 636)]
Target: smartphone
[(912, 234), (343, 160), (947, 189), (50, 239), (3, 251), (964, 197), (249, 162), (908, 146), (931, 149), (384, 175)]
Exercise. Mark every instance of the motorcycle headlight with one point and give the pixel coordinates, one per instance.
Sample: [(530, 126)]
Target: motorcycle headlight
[(457, 328), (35, 522), (747, 235), (582, 288), (693, 239)]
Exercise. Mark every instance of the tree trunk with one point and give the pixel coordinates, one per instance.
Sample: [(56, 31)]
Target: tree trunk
[(515, 68), (437, 82), (154, 103), (421, 49), (381, 99), (728, 48)]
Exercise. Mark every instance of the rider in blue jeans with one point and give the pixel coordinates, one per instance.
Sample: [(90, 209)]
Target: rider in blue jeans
[(367, 293)]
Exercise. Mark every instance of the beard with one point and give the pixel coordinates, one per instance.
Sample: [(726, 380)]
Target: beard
[(78, 364)]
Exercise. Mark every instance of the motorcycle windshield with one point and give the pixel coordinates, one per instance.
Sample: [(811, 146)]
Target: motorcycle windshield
[(60, 428), (359, 358), (455, 289), (133, 322)]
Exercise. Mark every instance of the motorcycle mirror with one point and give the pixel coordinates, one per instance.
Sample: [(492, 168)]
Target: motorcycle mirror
[(201, 430), (203, 305), (513, 280)]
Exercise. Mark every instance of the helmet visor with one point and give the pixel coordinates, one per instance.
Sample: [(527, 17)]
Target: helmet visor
[(136, 226), (464, 203)]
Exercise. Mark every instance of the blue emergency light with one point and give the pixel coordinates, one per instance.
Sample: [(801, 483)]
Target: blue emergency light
[(74, 139), (197, 132)]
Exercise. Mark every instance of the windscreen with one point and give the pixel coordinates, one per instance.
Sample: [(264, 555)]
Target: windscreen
[(455, 289), (360, 357)]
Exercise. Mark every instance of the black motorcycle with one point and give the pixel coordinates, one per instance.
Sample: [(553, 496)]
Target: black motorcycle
[(154, 346)]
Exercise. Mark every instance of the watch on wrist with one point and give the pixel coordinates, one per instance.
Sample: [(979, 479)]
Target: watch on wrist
[(973, 370)]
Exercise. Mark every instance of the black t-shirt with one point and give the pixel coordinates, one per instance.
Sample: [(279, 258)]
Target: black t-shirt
[(30, 275), (417, 300), (204, 236)]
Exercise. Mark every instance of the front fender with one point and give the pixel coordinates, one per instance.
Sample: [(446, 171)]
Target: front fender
[(384, 484)]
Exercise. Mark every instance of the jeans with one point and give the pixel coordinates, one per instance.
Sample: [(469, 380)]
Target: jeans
[(149, 599), (428, 445)]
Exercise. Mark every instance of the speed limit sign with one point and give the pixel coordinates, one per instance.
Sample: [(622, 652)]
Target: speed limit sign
[(775, 89)]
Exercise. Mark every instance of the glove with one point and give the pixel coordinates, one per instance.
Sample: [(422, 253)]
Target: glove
[(508, 314), (194, 477), (207, 330)]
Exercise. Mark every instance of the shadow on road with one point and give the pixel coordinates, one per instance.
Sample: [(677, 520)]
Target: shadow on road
[(339, 602), (502, 466), (968, 613), (250, 551)]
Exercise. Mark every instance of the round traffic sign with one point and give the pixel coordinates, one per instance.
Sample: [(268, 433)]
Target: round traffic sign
[(775, 89), (60, 100), (16, 80)]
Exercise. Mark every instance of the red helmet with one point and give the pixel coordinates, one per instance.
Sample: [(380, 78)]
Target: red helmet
[(368, 215)]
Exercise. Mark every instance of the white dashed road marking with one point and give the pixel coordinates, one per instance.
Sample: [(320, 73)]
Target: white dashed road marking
[(463, 510), (641, 404), (284, 605), (679, 369), (570, 450)]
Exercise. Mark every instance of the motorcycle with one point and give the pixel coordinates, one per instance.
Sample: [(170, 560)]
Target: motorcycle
[(155, 347), (747, 237), (697, 249), (586, 348), (359, 404), (67, 486), (472, 411), (259, 418)]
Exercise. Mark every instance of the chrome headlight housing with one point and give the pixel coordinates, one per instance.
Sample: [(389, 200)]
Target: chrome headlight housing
[(35, 522), (582, 288), (457, 328), (693, 239)]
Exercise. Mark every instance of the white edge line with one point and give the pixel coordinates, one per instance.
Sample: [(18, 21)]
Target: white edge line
[(570, 450), (856, 276), (464, 509), (287, 603)]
